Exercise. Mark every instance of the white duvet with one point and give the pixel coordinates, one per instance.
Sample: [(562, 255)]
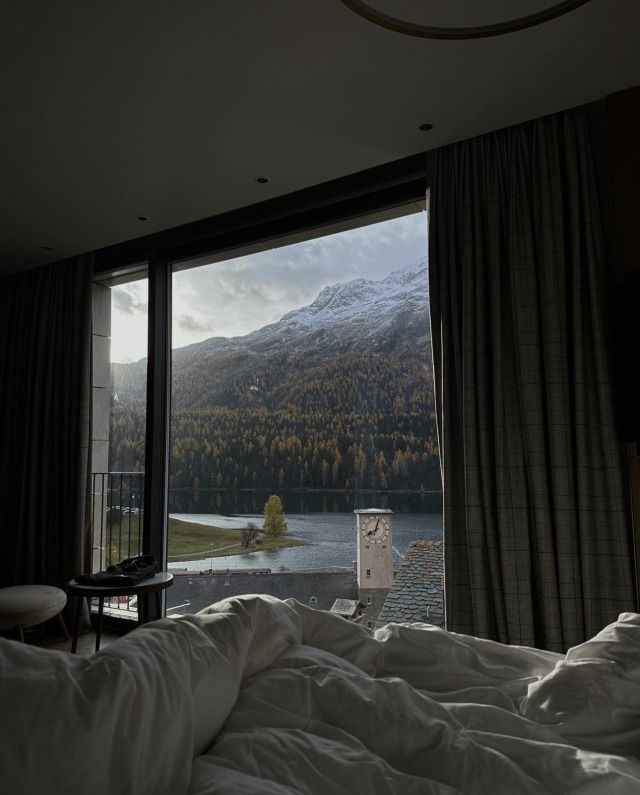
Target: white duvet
[(255, 695)]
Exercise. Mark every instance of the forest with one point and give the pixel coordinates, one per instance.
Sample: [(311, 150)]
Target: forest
[(350, 422)]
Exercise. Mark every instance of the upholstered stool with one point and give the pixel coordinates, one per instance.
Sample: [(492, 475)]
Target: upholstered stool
[(27, 605)]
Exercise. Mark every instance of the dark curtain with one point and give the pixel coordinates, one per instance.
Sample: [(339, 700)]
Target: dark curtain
[(45, 389), (538, 546)]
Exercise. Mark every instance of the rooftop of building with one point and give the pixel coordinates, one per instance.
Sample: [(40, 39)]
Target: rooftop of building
[(418, 590)]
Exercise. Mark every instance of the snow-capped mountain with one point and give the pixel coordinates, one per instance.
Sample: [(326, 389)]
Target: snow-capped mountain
[(389, 316), (357, 315), (363, 296)]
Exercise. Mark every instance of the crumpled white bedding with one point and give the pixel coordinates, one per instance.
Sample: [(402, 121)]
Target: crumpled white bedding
[(255, 695)]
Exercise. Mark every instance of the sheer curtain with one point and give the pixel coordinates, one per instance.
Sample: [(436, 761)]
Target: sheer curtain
[(538, 546), (45, 388)]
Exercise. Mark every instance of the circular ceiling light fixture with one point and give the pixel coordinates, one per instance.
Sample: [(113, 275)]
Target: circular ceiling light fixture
[(364, 10)]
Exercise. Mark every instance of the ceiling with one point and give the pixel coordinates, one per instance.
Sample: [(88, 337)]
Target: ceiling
[(172, 110)]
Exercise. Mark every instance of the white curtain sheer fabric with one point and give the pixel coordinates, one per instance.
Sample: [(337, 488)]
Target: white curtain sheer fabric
[(538, 545)]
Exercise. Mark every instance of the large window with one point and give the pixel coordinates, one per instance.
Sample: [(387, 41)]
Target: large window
[(301, 390)]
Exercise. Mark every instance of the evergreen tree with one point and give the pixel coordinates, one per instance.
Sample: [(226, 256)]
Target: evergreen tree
[(274, 521)]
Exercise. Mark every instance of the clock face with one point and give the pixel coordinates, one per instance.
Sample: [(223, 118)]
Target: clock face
[(375, 529)]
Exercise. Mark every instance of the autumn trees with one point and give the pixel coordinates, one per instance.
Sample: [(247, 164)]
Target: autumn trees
[(364, 422)]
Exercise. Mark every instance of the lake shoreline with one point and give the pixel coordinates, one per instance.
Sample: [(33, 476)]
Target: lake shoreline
[(243, 502), (330, 540), (192, 540)]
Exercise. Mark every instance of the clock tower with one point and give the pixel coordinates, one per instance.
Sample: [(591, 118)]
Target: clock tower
[(375, 552)]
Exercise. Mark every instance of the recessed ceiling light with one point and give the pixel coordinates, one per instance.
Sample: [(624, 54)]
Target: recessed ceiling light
[(47, 248), (142, 218), (262, 180), (425, 127)]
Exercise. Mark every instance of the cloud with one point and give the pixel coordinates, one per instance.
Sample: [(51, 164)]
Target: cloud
[(188, 323), (130, 299)]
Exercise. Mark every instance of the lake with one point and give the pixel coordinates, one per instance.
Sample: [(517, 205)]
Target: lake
[(331, 538)]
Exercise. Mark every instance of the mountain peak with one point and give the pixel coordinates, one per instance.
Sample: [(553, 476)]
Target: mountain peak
[(358, 295)]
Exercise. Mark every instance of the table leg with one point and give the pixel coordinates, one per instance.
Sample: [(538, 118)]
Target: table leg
[(76, 624), (142, 608), (158, 605), (99, 624), (63, 626), (20, 633)]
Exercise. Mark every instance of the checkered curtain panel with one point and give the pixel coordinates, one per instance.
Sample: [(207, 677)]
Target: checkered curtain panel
[(538, 547)]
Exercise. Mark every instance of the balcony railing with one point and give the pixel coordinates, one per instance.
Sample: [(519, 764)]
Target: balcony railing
[(117, 511), (118, 500)]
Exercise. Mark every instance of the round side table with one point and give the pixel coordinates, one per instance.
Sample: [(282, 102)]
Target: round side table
[(159, 582)]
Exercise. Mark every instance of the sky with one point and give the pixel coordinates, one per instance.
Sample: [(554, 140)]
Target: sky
[(237, 296)]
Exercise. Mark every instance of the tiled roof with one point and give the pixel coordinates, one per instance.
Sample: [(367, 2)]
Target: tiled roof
[(417, 593)]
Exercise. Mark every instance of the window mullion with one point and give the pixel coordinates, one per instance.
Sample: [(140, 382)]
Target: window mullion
[(158, 413)]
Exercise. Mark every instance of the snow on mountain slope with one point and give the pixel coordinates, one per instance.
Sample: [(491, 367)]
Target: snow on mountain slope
[(357, 314), (363, 297), (388, 316)]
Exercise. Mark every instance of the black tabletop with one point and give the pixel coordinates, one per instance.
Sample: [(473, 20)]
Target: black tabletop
[(158, 582)]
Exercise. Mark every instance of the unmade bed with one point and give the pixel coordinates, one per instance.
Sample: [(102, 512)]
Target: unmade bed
[(257, 695)]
